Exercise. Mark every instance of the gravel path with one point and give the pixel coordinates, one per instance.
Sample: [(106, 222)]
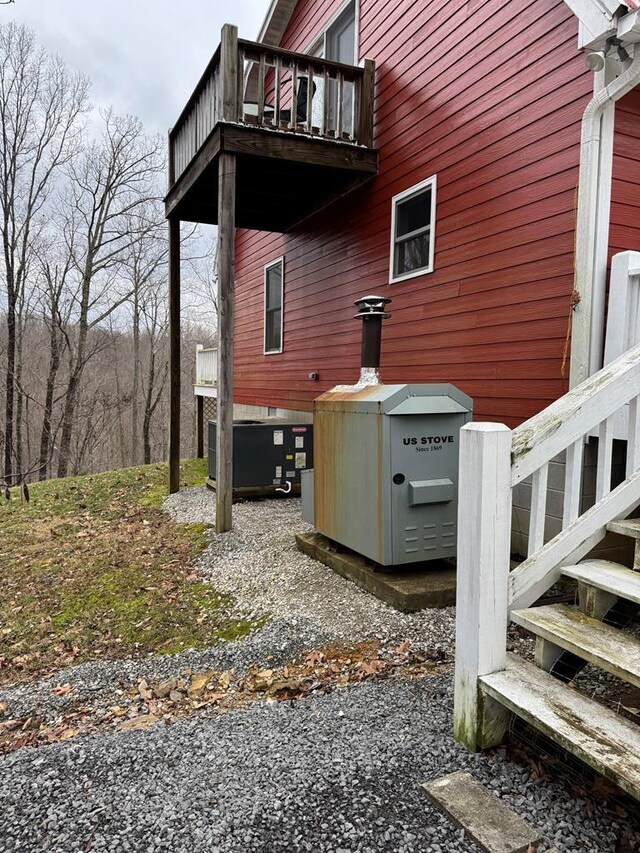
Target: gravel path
[(338, 773), (334, 773), (258, 563)]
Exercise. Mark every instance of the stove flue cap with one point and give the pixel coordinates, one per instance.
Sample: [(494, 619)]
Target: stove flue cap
[(369, 306), (372, 314)]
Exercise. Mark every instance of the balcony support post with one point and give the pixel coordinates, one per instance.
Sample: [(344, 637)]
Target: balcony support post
[(226, 247), (365, 105), (200, 426), (174, 355), (229, 73)]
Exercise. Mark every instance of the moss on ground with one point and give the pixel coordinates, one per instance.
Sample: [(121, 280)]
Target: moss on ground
[(92, 567)]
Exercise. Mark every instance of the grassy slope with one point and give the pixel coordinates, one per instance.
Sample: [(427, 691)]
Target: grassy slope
[(93, 568)]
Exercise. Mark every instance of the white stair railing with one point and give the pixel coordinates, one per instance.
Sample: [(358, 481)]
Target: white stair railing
[(623, 319), (493, 460)]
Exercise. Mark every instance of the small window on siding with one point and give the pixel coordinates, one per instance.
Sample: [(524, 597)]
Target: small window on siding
[(413, 231), (273, 287)]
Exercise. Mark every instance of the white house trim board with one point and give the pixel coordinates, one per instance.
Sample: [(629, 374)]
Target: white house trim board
[(629, 28), (596, 19), (602, 79), (276, 21), (591, 236)]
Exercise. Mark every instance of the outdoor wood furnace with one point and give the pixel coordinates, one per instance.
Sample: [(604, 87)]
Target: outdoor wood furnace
[(385, 479)]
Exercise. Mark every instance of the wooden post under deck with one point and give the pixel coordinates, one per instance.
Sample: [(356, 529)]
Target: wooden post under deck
[(200, 426), (174, 355), (226, 249), (224, 432)]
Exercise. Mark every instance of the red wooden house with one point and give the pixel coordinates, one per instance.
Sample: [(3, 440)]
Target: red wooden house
[(453, 190), (477, 127), (465, 161)]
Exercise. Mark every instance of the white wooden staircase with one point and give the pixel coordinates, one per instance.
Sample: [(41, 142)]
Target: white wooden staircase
[(491, 684), (599, 736)]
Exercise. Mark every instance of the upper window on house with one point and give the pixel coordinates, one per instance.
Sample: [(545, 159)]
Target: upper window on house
[(413, 230), (273, 287), (338, 39), (338, 43)]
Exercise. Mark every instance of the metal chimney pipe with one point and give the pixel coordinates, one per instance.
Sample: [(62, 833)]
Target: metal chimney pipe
[(371, 311)]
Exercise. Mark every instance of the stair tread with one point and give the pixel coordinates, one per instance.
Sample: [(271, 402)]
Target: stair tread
[(599, 737), (626, 526), (609, 648), (607, 576)]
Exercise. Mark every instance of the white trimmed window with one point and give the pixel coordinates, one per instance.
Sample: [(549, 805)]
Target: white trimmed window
[(413, 221), (273, 289)]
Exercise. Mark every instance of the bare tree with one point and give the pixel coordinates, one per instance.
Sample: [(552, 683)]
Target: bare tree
[(156, 325), (54, 281), (146, 273), (41, 105), (201, 280), (102, 210)]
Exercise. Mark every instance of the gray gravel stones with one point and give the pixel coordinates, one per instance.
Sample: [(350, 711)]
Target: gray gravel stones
[(259, 564), (336, 772)]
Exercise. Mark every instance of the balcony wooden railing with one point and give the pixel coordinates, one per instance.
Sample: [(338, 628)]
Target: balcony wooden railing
[(206, 366), (260, 86)]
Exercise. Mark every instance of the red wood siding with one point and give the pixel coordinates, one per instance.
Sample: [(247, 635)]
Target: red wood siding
[(488, 96), (625, 189)]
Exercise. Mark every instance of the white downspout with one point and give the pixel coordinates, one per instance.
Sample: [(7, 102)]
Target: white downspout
[(588, 319)]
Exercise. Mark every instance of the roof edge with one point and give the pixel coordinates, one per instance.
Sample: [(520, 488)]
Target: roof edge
[(276, 21)]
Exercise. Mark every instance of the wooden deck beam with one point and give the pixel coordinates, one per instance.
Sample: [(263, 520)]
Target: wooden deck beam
[(292, 161)]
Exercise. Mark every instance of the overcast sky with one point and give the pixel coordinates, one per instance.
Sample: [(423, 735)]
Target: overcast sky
[(143, 56)]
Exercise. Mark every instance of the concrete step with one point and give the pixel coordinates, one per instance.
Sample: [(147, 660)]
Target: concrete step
[(599, 737), (562, 628), (609, 577), (627, 526)]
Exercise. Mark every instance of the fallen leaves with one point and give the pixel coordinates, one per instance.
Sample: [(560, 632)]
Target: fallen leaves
[(142, 722), (150, 702), (314, 658)]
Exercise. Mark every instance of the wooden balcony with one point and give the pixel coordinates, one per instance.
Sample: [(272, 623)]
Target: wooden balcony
[(206, 384), (300, 129)]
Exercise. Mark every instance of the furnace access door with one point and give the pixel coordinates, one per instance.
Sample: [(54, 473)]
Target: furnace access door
[(386, 470)]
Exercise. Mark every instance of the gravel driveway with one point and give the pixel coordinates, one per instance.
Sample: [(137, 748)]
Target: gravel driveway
[(336, 773)]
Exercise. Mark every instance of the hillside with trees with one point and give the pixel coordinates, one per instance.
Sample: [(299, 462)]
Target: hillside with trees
[(83, 277)]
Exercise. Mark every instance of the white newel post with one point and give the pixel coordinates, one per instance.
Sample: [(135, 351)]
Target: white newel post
[(484, 541)]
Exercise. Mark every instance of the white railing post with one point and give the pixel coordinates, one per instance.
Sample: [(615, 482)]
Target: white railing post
[(623, 311), (199, 349), (484, 539)]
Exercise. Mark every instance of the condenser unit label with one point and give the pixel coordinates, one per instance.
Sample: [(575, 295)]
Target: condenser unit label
[(291, 473), (301, 460), (299, 441), (278, 471), (278, 436)]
